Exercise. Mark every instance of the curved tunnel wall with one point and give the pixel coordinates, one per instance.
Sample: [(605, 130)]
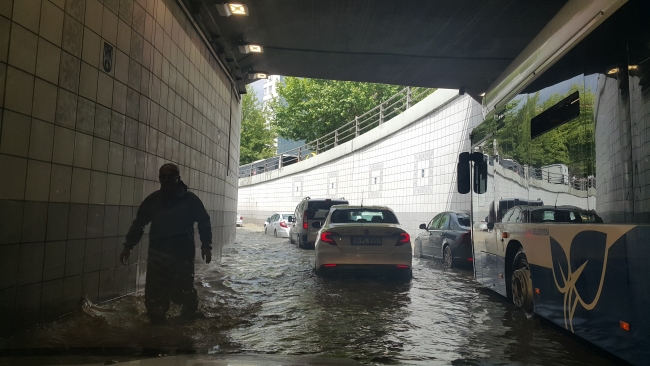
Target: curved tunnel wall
[(408, 164), (83, 136)]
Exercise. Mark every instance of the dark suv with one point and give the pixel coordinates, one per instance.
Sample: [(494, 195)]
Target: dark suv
[(309, 217)]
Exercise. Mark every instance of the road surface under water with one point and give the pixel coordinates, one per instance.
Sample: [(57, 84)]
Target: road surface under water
[(264, 298)]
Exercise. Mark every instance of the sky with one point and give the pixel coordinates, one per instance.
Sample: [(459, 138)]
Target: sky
[(259, 89)]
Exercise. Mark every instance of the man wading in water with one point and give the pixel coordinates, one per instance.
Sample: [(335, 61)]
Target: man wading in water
[(172, 212)]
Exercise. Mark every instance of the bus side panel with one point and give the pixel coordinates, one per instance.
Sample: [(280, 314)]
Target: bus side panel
[(500, 269), (608, 292), (478, 261), (479, 258), (638, 261)]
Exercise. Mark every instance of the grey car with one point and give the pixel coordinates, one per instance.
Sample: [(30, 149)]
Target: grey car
[(448, 237), (309, 216)]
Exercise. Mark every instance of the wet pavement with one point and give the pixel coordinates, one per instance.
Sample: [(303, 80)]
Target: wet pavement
[(265, 299)]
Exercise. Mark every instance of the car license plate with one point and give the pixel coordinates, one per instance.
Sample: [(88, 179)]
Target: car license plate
[(366, 240)]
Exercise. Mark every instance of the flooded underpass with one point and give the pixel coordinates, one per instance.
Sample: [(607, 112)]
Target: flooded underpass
[(265, 299)]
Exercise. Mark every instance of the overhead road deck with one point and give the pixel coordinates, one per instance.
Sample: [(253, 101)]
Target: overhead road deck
[(460, 44)]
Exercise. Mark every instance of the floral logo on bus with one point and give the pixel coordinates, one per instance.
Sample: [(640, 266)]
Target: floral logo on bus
[(581, 274)]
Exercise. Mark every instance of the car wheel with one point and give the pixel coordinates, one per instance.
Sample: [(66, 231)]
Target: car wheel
[(522, 285), (417, 251), (301, 245), (447, 257), (275, 233), (406, 276), (291, 239), (265, 230)]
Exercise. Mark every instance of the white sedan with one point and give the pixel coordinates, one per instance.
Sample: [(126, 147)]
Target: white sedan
[(363, 238), (279, 225), (240, 220)]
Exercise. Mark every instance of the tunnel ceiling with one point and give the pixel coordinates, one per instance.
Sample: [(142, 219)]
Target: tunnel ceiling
[(444, 44)]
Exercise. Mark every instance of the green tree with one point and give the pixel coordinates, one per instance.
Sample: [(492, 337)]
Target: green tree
[(571, 144), (310, 108), (256, 137)]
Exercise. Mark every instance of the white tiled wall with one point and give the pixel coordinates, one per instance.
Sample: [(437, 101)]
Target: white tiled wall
[(80, 146), (388, 172)]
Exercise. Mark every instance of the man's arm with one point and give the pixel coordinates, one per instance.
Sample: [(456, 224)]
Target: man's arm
[(203, 220), (143, 217)]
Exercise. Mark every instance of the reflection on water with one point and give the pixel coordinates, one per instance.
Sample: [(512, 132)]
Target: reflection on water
[(264, 298)]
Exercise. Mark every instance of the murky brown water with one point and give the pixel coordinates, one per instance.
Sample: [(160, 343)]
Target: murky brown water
[(264, 298)]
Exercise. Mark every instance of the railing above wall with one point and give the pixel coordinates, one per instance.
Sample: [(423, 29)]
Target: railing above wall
[(382, 113)]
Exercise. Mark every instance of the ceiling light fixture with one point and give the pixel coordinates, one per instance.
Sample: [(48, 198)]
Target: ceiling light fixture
[(258, 75), (612, 71), (251, 48), (228, 9), (633, 67), (482, 94)]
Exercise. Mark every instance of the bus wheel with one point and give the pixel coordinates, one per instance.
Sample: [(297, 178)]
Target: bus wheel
[(522, 285)]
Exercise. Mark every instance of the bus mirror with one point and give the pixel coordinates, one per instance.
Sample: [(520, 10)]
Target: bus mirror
[(480, 173), (462, 173)]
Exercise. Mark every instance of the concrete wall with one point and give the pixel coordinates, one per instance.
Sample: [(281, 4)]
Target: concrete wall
[(408, 164), (80, 146)]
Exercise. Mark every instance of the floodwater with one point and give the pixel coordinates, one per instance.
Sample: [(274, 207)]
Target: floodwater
[(265, 298)]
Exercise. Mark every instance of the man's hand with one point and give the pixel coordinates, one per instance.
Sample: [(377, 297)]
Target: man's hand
[(207, 255), (124, 257)]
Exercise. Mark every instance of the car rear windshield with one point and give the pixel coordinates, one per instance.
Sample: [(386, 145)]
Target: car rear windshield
[(319, 209), (363, 215), (463, 220)]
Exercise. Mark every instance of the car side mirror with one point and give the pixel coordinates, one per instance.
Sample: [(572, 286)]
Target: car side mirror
[(423, 226), (490, 225), (463, 173), (291, 219), (480, 173)]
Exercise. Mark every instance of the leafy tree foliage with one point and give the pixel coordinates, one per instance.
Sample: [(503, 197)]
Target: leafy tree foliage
[(310, 108), (256, 137), (572, 144)]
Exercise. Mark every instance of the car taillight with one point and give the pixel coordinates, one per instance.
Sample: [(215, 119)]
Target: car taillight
[(241, 217), (466, 239), (404, 238), (326, 237), (304, 220), (283, 224)]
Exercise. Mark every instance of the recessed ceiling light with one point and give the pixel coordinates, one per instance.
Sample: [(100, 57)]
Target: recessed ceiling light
[(633, 67), (612, 71), (482, 94)]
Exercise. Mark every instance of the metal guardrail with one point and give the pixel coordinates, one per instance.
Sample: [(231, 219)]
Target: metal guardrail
[(382, 113), (541, 174)]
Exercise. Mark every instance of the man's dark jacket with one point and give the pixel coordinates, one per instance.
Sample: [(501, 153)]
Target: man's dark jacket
[(172, 218)]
